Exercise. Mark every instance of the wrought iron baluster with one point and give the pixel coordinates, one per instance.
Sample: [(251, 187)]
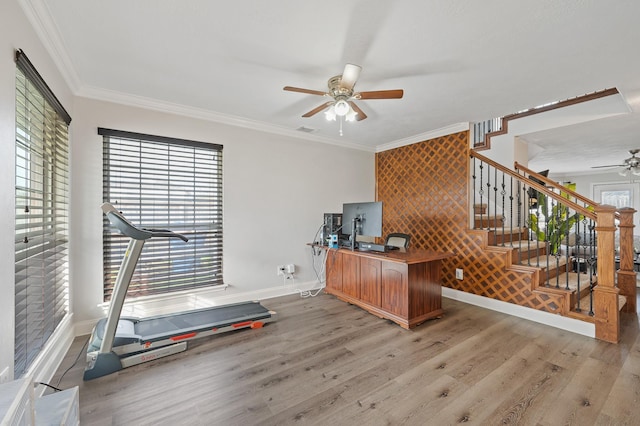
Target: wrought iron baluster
[(566, 255), (578, 266), (495, 202), (592, 264), (519, 204), (481, 191), (511, 212), (537, 213), (488, 184), (522, 221), (474, 177), (554, 239), (503, 193)]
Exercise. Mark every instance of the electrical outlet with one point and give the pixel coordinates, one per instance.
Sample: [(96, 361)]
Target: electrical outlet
[(4, 375), (459, 274), (281, 269)]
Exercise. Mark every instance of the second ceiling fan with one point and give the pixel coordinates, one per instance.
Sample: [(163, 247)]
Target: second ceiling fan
[(631, 164), (342, 94)]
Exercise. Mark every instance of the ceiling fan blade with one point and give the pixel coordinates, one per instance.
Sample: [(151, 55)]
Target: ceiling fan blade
[(611, 165), (308, 91), (381, 94), (350, 76), (317, 109), (360, 114)]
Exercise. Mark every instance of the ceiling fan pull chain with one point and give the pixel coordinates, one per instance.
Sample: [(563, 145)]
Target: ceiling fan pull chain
[(341, 125)]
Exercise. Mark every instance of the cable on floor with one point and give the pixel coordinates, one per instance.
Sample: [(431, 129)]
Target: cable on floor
[(82, 351)]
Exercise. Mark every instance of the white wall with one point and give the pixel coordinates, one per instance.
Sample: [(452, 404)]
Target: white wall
[(584, 182), (585, 185), (276, 190), (15, 32)]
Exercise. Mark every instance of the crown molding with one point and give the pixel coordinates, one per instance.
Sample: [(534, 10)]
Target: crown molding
[(207, 115), (39, 15), (432, 134)]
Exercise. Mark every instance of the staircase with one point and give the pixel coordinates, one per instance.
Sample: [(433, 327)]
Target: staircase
[(578, 284), (555, 274)]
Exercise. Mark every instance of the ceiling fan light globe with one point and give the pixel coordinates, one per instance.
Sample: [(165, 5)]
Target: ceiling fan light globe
[(636, 171), (623, 172), (351, 115), (330, 114), (341, 108)]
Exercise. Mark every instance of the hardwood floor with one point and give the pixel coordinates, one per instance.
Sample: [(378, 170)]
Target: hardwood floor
[(329, 363)]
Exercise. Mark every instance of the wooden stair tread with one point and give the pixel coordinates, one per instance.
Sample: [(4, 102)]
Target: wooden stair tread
[(571, 280), (525, 245), (509, 230), (585, 303), (546, 262)]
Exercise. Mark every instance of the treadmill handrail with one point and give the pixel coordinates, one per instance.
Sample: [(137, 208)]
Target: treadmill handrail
[(132, 231)]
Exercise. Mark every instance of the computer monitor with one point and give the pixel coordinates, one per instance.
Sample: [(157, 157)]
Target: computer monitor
[(366, 218)]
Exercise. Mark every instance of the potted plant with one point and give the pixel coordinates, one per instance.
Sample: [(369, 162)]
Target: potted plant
[(552, 222)]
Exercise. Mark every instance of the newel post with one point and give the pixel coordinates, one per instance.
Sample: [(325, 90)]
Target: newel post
[(627, 273), (605, 294)]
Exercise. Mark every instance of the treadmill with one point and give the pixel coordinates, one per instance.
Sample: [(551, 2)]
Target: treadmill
[(117, 343)]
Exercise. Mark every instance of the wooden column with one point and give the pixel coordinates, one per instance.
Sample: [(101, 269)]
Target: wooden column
[(605, 294), (627, 273)]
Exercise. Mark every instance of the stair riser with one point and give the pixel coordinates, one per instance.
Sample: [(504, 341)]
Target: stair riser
[(488, 222), (551, 272), (498, 238), (531, 253)]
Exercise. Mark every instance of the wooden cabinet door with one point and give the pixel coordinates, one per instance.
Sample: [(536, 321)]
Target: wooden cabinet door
[(370, 276), (333, 269), (351, 275), (395, 288)]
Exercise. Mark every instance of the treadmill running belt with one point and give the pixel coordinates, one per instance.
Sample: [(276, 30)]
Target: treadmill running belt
[(200, 319)]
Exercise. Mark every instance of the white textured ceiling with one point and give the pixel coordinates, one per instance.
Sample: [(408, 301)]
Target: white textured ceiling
[(457, 60)]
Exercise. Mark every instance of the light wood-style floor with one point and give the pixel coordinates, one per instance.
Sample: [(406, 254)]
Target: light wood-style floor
[(329, 363)]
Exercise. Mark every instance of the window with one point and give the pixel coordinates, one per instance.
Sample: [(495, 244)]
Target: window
[(41, 203), (164, 183), (618, 194)]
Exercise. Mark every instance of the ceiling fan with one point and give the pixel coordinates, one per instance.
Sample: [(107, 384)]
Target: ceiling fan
[(343, 95), (631, 164)]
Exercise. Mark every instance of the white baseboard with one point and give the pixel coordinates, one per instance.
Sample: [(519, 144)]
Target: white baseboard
[(47, 362), (558, 321), (145, 307)]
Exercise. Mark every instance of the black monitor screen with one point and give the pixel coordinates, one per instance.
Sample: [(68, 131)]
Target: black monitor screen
[(368, 215)]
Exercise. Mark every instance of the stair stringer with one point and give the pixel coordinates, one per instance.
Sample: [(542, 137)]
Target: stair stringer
[(518, 284)]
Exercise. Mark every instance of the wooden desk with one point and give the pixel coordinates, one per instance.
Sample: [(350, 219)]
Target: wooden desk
[(400, 285)]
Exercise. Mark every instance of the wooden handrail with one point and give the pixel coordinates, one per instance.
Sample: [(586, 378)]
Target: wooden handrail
[(538, 110), (538, 187), (555, 184)]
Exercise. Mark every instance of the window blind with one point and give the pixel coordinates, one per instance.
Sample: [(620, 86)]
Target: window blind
[(41, 214), (164, 183)]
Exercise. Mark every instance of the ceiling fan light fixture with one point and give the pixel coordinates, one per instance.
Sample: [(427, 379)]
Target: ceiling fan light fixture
[(351, 115), (636, 171), (330, 114), (341, 108), (624, 172)]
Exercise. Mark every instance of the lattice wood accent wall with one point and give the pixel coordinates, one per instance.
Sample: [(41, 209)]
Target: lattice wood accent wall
[(424, 189)]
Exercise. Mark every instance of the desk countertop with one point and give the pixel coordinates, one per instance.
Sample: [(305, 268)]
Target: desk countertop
[(408, 256)]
